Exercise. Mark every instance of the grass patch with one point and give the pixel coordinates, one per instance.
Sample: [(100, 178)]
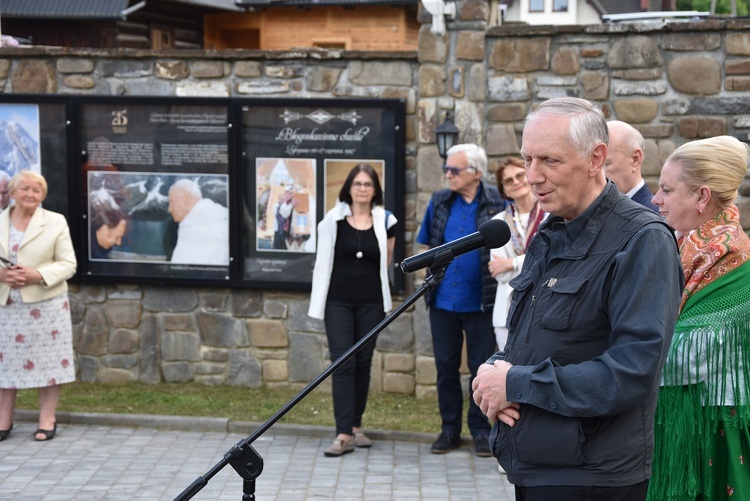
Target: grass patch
[(385, 411)]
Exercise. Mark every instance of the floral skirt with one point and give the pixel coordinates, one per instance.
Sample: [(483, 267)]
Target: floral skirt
[(36, 343)]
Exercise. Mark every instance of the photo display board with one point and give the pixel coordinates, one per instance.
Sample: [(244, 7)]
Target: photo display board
[(155, 188), (297, 155)]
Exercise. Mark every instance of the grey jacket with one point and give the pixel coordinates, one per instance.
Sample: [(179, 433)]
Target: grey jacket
[(590, 324)]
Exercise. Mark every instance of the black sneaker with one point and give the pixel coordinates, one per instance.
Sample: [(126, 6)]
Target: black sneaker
[(482, 446), (445, 442)]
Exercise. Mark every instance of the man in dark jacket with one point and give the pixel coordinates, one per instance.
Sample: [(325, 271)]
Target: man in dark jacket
[(464, 299), (573, 394)]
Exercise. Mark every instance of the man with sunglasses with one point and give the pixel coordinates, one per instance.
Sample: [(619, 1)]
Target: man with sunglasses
[(464, 299)]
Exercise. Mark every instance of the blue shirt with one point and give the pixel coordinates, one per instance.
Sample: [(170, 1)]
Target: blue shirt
[(461, 289)]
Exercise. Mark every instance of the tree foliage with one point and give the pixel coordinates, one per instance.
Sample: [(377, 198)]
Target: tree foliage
[(723, 7)]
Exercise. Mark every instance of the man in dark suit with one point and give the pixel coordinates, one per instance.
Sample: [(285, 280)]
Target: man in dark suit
[(623, 165)]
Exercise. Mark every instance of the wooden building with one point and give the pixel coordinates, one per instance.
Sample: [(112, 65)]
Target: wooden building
[(141, 24), (331, 24)]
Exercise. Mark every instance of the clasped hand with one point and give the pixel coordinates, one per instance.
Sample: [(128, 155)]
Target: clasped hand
[(489, 393), (19, 275)]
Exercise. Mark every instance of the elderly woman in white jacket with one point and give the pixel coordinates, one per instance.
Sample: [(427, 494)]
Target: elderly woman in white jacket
[(350, 292), (523, 215)]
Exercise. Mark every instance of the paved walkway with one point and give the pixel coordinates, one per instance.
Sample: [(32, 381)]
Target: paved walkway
[(106, 457)]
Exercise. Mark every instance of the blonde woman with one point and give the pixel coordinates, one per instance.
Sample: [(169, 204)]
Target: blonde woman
[(36, 342)]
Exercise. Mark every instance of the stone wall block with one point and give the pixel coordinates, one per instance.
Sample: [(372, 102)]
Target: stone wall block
[(207, 69), (177, 372), (426, 120), (148, 369), (423, 335), (215, 354), (655, 130), (513, 112), (93, 338), (247, 303), (33, 77), (126, 68), (120, 361), (380, 73), (637, 51), (470, 121), (180, 346), (91, 293), (221, 330), (665, 147), (455, 81), (125, 314), (215, 301), (283, 71), (565, 62), (299, 320), (737, 67), (408, 95), (77, 308), (123, 341), (743, 205), (642, 88), (476, 89), (275, 370), (262, 87), (4, 68), (474, 10), (172, 70), (470, 45), (638, 74), (429, 175), (691, 41), (520, 55), (306, 359), (432, 49), (676, 106), (595, 85), (651, 165), (178, 322), (74, 65), (115, 376), (737, 84), (208, 369), (146, 86), (88, 368), (202, 89), (508, 88), (248, 69), (399, 383), (431, 80), (397, 336), (322, 79), (695, 75), (275, 309), (636, 110), (398, 362), (737, 44), (502, 140), (267, 333), (426, 371), (169, 299), (244, 369), (696, 127)]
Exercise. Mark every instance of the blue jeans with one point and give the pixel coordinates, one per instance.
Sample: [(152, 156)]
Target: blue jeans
[(447, 341), (346, 324)]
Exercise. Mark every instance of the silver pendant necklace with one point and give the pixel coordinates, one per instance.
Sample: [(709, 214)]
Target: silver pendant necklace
[(359, 245)]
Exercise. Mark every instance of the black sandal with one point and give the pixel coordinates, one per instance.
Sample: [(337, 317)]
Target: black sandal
[(48, 434), (4, 433)]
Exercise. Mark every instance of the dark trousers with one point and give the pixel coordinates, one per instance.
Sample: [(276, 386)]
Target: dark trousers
[(447, 340), (345, 325), (635, 492)]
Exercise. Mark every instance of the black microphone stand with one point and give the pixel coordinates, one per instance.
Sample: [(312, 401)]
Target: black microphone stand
[(244, 458)]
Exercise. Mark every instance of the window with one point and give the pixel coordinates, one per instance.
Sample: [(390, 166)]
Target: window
[(559, 5), (536, 5)]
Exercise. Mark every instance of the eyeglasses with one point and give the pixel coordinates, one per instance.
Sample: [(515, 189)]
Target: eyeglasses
[(362, 186), (454, 171), (510, 181)]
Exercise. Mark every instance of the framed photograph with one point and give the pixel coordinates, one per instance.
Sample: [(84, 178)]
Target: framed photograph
[(297, 154), (155, 186)]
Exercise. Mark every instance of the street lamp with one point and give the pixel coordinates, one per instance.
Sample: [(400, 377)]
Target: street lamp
[(446, 134)]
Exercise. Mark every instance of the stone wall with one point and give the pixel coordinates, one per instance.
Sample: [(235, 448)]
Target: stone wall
[(675, 83)]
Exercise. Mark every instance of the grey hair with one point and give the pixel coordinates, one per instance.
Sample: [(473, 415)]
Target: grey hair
[(188, 187), (4, 175), (587, 128), (476, 157)]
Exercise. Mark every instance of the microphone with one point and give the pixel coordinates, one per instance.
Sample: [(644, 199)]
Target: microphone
[(493, 233)]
